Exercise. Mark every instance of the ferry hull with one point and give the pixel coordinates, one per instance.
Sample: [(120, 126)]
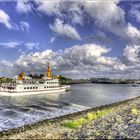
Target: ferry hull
[(51, 91)]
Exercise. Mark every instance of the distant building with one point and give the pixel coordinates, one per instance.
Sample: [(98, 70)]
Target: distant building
[(24, 77)]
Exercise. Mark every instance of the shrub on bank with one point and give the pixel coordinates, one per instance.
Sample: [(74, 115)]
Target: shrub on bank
[(89, 117), (75, 123), (134, 111)]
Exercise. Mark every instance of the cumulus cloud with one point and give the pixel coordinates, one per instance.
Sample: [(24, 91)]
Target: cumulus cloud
[(24, 26), (131, 59), (6, 66), (132, 34), (87, 59), (75, 12), (23, 6), (65, 30), (107, 14), (104, 12), (83, 55), (135, 12), (100, 12), (131, 55), (132, 31), (73, 9), (5, 19), (7, 22), (76, 57), (33, 62), (49, 7)]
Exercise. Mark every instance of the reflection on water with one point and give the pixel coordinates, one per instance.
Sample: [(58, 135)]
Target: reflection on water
[(18, 111), (99, 94)]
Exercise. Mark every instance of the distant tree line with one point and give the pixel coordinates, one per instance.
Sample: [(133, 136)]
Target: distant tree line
[(5, 80), (36, 76), (63, 80)]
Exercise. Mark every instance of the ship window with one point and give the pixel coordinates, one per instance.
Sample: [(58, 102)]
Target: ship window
[(30, 87), (36, 87), (25, 88), (33, 87)]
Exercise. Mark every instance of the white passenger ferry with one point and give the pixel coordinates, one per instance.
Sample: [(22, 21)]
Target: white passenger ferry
[(24, 85)]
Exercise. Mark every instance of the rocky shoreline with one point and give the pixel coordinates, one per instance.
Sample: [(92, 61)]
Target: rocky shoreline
[(123, 121)]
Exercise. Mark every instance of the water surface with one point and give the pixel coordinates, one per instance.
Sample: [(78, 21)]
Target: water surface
[(18, 111)]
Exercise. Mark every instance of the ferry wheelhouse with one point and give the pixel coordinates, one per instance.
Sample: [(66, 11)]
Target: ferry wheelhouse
[(24, 85)]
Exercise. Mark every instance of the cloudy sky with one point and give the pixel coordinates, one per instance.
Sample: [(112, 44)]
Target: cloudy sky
[(81, 39)]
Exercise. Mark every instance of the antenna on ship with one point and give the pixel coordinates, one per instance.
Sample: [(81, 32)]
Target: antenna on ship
[(48, 74)]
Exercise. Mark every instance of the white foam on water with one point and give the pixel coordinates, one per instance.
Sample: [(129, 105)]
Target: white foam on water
[(35, 115)]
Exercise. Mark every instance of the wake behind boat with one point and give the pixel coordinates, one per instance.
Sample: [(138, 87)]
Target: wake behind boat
[(24, 85)]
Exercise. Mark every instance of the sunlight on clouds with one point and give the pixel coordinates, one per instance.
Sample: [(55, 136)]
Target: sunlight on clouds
[(5, 19), (64, 30), (23, 6), (131, 54), (133, 31), (88, 57)]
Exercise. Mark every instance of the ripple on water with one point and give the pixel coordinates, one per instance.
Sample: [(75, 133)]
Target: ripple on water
[(22, 109), (9, 113), (37, 107)]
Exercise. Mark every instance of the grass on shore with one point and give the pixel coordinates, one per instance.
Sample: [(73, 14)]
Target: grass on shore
[(134, 111), (72, 124)]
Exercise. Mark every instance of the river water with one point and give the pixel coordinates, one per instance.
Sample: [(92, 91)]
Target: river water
[(19, 111)]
